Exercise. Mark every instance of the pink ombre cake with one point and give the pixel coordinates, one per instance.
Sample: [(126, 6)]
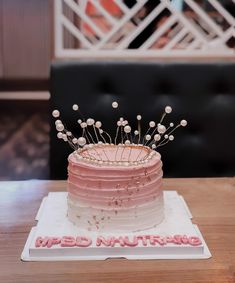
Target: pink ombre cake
[(115, 183), (115, 188)]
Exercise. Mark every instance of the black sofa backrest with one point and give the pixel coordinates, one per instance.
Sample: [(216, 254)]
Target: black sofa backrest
[(203, 94)]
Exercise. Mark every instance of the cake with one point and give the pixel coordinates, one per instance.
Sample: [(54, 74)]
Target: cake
[(115, 201), (118, 193), (115, 184)]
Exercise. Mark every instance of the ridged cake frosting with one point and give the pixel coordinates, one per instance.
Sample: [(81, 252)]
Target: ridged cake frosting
[(110, 190), (115, 183)]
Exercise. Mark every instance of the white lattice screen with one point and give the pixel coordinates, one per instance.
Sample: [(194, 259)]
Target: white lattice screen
[(97, 28)]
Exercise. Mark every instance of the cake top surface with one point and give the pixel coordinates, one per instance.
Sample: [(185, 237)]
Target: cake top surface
[(110, 156)]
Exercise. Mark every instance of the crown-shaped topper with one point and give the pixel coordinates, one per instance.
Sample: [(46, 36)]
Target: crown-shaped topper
[(128, 147)]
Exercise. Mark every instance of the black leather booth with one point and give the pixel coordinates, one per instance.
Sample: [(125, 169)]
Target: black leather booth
[(203, 94)]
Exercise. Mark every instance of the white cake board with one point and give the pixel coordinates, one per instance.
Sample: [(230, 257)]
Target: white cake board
[(52, 221)]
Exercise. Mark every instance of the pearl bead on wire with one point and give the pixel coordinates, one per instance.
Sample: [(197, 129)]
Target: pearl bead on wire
[(98, 124), (136, 132), (59, 135), (157, 137), (115, 104), (64, 137), (90, 121), (168, 109), (81, 141), (75, 107), (58, 122), (83, 125), (60, 127), (127, 129), (55, 113), (183, 123), (148, 137), (161, 129)]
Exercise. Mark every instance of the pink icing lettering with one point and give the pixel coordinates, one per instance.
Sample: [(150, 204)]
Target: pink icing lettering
[(83, 241), (152, 240), (101, 240), (56, 240), (129, 243), (194, 241), (156, 239), (144, 240), (47, 241), (53, 241), (121, 241), (68, 241), (184, 239), (169, 239), (38, 242), (177, 239), (118, 240)]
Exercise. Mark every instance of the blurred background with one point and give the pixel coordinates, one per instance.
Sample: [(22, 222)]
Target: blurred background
[(33, 33)]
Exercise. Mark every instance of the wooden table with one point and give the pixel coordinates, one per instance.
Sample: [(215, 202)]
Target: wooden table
[(211, 201)]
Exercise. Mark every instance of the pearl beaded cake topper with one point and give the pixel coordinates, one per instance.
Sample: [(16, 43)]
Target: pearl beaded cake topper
[(94, 138)]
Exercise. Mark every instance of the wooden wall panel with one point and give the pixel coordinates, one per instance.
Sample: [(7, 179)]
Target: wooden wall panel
[(1, 58), (26, 38)]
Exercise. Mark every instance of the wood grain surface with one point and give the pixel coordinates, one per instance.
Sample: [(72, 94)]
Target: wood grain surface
[(211, 201)]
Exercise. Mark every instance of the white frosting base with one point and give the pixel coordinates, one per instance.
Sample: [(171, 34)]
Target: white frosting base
[(133, 219)]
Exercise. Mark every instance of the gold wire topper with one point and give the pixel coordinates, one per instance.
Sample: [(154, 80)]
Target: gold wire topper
[(96, 145)]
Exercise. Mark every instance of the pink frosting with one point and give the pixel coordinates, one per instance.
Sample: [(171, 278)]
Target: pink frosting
[(104, 185), (110, 195)]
